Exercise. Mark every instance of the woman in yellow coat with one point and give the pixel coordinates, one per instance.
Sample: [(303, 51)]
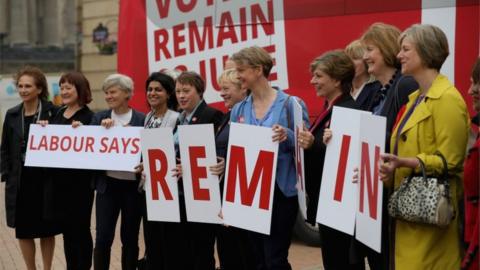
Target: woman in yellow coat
[(435, 119)]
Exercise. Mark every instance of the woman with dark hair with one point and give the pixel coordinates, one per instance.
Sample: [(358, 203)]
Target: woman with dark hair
[(160, 89), (332, 76), (73, 191), (28, 190), (190, 245), (471, 179)]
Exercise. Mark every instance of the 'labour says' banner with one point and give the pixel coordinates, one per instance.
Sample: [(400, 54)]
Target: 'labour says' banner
[(85, 147), (250, 178), (201, 188), (161, 187)]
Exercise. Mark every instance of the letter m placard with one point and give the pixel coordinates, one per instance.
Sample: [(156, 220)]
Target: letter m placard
[(250, 176)]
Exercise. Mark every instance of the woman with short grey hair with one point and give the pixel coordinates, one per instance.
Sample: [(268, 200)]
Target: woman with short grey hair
[(117, 191)]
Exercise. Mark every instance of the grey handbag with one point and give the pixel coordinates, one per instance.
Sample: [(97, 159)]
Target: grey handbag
[(423, 199)]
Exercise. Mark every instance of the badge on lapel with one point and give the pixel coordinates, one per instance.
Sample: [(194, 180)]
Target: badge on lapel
[(194, 119)]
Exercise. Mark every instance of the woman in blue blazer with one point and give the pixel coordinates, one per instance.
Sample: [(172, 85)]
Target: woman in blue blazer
[(117, 191)]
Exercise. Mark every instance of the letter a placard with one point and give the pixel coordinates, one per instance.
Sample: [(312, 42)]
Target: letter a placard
[(338, 195), (370, 188), (202, 191), (160, 186), (250, 178)]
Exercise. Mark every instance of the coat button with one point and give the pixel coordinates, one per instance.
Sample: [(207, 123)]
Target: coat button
[(403, 137)]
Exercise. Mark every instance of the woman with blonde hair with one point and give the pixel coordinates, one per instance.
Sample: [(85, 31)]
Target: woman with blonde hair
[(364, 85), (267, 107), (433, 127)]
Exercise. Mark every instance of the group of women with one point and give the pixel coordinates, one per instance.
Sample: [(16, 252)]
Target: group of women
[(391, 74)]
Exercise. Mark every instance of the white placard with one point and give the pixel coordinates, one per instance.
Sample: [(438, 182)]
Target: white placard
[(200, 186), (370, 188), (338, 195), (299, 158), (250, 178), (161, 187), (84, 147)]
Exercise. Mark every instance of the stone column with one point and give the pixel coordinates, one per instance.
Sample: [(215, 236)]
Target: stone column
[(69, 22), (19, 17), (52, 24), (4, 16)]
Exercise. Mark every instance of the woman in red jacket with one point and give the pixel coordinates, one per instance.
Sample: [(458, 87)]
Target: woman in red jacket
[(471, 180)]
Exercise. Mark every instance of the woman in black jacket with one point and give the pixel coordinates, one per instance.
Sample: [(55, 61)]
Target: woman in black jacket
[(73, 191), (28, 190), (190, 245), (333, 73)]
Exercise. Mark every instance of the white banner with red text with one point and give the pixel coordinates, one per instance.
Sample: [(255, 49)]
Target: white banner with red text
[(84, 147)]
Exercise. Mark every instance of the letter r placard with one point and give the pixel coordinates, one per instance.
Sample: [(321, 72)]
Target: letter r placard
[(160, 186), (249, 180)]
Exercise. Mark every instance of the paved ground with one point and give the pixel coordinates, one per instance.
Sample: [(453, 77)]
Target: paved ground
[(301, 256)]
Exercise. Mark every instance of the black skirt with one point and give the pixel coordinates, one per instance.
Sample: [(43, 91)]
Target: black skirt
[(31, 204)]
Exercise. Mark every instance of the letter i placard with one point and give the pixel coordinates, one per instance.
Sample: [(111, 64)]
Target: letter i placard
[(200, 186), (368, 226), (250, 178), (160, 186)]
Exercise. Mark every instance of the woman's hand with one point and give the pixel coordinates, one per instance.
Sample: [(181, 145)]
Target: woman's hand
[(107, 123), (76, 124), (305, 138), (177, 171), (139, 168), (387, 166), (218, 168), (355, 175), (280, 133), (42, 123), (327, 136)]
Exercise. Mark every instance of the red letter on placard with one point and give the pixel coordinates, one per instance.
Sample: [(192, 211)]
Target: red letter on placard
[(263, 166), (366, 179), (196, 152), (158, 177), (163, 8), (342, 167)]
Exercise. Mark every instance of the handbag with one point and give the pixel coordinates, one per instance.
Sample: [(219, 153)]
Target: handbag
[(423, 199)]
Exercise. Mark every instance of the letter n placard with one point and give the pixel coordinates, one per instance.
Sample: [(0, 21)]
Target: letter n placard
[(368, 226), (161, 187), (250, 178)]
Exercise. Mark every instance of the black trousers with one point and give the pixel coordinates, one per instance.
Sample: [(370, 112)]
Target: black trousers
[(187, 245), (77, 239), (271, 251), (234, 249), (120, 196), (337, 250)]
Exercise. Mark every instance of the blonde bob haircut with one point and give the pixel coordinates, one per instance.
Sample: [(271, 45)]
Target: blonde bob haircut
[(254, 57), (430, 42), (385, 37), (231, 76), (355, 49), (338, 65)]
